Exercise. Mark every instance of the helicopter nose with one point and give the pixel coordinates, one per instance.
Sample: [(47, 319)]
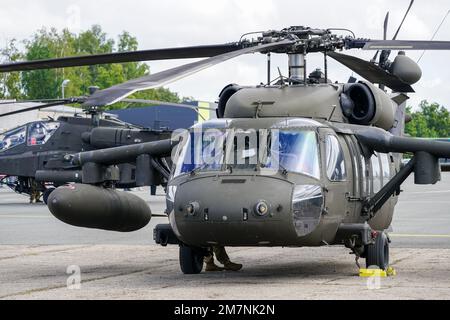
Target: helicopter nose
[(234, 211)]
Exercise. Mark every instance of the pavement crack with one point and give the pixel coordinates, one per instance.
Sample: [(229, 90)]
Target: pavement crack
[(55, 287), (44, 252)]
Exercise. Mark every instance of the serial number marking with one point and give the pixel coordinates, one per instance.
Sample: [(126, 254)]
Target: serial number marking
[(246, 310)]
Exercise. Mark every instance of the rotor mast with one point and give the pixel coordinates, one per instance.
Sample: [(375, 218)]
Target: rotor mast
[(297, 68)]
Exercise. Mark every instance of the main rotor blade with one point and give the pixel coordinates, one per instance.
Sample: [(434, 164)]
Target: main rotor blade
[(371, 72), (404, 45), (122, 57), (170, 104), (403, 21), (121, 91), (385, 31), (386, 25), (42, 106)]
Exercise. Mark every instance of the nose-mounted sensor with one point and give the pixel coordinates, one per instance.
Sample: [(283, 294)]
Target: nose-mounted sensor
[(262, 208), (192, 208)]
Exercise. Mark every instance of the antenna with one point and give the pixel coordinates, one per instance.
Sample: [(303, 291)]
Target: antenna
[(403, 21), (281, 77), (435, 34)]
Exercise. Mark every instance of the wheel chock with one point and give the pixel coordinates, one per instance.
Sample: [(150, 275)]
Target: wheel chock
[(368, 273), (391, 272)]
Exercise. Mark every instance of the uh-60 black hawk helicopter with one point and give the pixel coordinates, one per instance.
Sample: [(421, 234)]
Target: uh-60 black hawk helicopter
[(34, 153), (301, 162)]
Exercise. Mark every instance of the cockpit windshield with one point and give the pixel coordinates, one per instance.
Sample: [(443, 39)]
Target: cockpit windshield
[(40, 132), (294, 151), (12, 138), (201, 151), (273, 150)]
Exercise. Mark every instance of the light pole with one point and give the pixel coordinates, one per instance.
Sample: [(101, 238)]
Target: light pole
[(64, 84)]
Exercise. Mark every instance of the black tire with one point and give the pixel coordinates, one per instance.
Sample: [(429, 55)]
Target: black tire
[(153, 190), (377, 254), (46, 194), (191, 260)]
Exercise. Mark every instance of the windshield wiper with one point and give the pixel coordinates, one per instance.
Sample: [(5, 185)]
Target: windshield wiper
[(283, 170), (200, 168)]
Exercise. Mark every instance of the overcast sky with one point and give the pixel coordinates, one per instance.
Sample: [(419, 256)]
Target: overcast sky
[(167, 23)]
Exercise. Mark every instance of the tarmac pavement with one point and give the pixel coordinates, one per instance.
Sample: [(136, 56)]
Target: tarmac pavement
[(42, 258)]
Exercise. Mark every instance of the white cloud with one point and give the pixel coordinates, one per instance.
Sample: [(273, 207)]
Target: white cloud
[(175, 23)]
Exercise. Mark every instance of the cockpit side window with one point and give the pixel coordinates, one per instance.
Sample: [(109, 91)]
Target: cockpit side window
[(12, 138), (40, 132), (335, 160)]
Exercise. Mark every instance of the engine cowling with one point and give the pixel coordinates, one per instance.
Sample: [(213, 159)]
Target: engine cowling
[(364, 104), (225, 96)]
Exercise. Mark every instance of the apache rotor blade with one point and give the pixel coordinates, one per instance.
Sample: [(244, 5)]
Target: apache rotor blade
[(121, 91), (122, 57), (42, 106), (371, 72), (405, 45), (62, 101)]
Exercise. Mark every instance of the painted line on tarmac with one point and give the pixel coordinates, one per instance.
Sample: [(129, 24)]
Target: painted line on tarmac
[(424, 192), (401, 235)]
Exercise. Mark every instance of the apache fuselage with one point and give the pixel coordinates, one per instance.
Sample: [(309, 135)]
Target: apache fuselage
[(38, 150)]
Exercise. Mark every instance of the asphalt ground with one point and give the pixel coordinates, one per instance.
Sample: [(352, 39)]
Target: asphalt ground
[(42, 258)]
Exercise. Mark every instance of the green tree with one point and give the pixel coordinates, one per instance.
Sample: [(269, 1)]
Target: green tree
[(46, 84), (10, 84), (430, 121), (43, 84)]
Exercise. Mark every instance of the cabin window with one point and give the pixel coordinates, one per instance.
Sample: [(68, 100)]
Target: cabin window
[(386, 168), (40, 132), (335, 160), (377, 173), (366, 180), (12, 138)]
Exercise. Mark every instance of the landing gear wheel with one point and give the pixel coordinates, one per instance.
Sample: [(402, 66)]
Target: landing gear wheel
[(191, 260), (46, 194), (377, 254)]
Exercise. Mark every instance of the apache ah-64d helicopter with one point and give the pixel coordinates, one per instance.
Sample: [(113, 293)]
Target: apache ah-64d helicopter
[(34, 153), (324, 169)]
